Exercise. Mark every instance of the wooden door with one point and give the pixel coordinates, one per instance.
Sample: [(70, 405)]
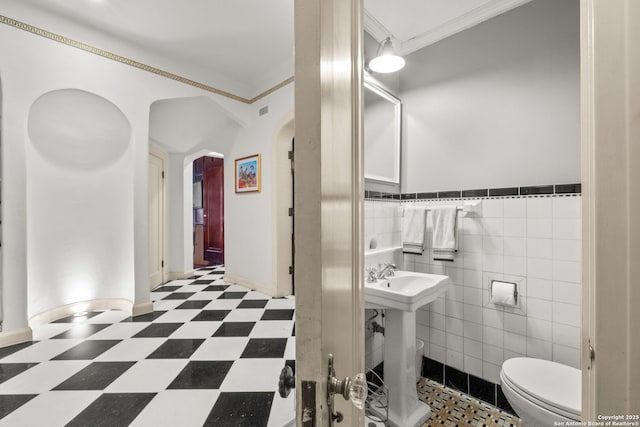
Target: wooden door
[(329, 183), (213, 205)]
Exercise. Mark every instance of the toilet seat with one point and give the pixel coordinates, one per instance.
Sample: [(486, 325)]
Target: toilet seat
[(550, 385)]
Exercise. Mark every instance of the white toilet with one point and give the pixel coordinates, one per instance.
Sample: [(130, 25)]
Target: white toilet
[(541, 391)]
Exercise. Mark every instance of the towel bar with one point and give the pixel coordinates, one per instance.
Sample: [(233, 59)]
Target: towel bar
[(470, 209)]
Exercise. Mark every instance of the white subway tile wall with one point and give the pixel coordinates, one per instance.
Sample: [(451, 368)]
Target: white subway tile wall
[(383, 223), (534, 241)]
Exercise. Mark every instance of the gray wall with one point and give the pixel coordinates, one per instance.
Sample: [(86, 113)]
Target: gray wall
[(496, 105)]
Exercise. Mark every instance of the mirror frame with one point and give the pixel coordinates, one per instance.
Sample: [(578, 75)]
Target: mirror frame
[(374, 86)]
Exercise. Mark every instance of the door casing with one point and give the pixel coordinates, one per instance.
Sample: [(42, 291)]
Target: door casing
[(157, 217), (281, 203), (213, 198), (610, 157)]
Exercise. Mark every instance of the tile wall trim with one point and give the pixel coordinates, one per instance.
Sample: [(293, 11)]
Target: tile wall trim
[(491, 193), (382, 196), (537, 190)]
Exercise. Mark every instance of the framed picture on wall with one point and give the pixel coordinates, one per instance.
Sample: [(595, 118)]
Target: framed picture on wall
[(247, 173)]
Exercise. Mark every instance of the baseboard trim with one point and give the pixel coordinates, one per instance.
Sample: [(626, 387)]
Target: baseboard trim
[(16, 337), (142, 308), (78, 307), (260, 287), (177, 275)]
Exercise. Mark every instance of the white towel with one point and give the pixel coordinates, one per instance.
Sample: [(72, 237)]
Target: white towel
[(444, 232), (413, 229)]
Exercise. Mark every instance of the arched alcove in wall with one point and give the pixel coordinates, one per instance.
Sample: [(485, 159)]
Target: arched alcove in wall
[(80, 245)]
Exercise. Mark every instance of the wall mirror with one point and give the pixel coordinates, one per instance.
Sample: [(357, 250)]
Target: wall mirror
[(382, 129)]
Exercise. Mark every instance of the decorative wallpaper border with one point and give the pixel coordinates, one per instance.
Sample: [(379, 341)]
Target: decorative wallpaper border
[(535, 190), (123, 60)]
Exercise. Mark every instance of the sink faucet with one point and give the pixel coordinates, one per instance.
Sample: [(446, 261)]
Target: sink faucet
[(386, 271)]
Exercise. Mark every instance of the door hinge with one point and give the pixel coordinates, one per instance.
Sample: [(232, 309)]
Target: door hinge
[(162, 264), (291, 269), (308, 403), (290, 211), (592, 353), (162, 174), (290, 155)]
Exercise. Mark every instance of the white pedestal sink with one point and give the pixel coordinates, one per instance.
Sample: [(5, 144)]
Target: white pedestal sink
[(401, 295)]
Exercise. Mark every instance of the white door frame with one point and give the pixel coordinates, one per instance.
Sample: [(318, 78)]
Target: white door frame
[(610, 115), (328, 203), (155, 151), (281, 202)]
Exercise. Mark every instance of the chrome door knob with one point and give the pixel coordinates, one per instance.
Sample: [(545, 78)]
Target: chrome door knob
[(287, 381), (354, 389)]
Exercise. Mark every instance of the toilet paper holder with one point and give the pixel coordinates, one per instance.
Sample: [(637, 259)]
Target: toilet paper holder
[(503, 295)]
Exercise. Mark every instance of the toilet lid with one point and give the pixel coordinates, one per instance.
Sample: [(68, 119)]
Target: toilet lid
[(555, 385)]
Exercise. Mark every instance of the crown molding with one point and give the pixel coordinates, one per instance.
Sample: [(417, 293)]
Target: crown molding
[(127, 61), (376, 29), (270, 91), (456, 25)]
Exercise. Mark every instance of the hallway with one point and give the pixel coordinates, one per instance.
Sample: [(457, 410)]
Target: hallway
[(209, 354)]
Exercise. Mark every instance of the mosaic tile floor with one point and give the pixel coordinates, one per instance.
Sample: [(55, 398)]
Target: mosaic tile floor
[(452, 408)]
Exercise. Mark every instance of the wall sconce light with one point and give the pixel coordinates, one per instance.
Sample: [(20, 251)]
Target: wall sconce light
[(386, 61)]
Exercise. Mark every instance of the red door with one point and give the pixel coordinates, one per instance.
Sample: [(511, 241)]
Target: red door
[(213, 206)]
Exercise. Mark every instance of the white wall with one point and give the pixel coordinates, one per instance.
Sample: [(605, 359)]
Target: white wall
[(248, 217), (249, 233), (31, 66), (496, 105), (79, 201)]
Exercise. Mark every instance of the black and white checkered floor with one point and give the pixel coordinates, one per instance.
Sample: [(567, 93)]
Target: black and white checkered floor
[(209, 354)]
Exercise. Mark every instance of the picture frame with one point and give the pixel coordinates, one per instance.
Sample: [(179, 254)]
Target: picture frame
[(247, 174)]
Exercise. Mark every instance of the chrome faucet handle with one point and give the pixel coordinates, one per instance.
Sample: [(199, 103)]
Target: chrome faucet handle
[(390, 269), (372, 274)]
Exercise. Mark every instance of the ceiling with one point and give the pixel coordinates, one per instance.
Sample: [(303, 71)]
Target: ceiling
[(241, 46), (418, 23), (183, 124)]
